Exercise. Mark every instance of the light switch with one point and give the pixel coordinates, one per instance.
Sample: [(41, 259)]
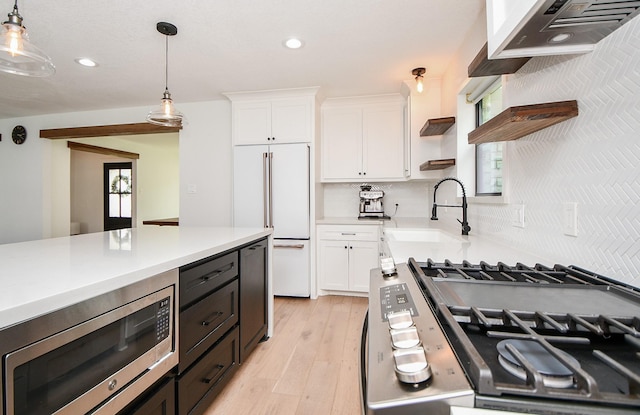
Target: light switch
[(570, 212), (518, 216), (192, 188)]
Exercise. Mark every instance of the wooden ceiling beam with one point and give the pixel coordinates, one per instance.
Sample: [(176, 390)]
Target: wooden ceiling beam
[(102, 150), (106, 131)]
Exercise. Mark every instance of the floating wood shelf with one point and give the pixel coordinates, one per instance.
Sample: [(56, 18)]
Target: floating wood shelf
[(437, 126), (482, 66), (437, 164), (517, 122)]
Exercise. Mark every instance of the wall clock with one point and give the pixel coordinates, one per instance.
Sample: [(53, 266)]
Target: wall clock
[(19, 134)]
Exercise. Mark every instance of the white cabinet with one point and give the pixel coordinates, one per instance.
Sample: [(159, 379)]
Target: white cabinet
[(364, 139), (273, 121), (346, 255)]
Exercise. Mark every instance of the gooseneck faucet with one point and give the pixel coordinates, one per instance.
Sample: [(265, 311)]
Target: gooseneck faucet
[(434, 211)]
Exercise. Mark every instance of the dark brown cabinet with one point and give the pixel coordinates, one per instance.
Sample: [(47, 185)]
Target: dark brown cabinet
[(253, 296), (159, 400), (223, 316)]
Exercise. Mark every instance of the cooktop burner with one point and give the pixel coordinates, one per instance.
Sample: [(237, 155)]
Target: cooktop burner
[(562, 334), (514, 355)]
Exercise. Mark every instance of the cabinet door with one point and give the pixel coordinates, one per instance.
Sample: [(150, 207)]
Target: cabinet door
[(363, 256), (292, 120), (333, 265), (251, 122), (383, 141), (253, 296), (342, 143)]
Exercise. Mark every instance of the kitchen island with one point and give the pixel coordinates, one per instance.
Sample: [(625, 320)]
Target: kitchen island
[(131, 320), (42, 276)]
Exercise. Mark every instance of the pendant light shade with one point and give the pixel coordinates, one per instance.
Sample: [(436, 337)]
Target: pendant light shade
[(18, 55), (166, 115)]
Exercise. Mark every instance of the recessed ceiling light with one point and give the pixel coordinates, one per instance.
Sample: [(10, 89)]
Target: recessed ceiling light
[(293, 43), (86, 62)]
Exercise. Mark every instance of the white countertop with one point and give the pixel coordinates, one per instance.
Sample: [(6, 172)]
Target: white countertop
[(41, 276)]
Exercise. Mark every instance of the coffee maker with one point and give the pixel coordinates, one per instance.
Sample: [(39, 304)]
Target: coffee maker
[(371, 203)]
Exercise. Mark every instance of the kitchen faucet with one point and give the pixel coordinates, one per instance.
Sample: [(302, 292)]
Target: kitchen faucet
[(434, 211)]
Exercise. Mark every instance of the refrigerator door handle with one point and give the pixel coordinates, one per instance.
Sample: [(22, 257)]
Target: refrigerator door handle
[(265, 190), (270, 189), (294, 246)]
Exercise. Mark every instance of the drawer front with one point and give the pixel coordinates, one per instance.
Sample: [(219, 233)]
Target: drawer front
[(202, 277), (349, 232), (202, 383), (202, 324)]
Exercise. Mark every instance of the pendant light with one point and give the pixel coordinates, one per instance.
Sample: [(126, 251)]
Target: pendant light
[(166, 115), (418, 72), (18, 55)]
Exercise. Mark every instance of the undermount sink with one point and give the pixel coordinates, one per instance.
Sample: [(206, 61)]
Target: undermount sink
[(419, 235)]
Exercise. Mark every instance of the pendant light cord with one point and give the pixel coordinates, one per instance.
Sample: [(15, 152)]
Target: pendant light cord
[(166, 63)]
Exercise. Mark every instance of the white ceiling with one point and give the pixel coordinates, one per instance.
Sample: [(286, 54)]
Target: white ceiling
[(352, 47)]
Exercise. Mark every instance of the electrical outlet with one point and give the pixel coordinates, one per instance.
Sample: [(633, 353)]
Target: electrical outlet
[(570, 215), (518, 216)]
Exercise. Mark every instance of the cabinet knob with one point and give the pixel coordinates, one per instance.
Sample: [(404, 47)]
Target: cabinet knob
[(345, 247)]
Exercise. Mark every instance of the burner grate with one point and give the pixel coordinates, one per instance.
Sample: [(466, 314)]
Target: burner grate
[(556, 332)]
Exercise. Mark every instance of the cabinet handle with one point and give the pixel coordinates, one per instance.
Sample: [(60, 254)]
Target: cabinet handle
[(212, 375), (348, 233), (295, 246), (212, 318)]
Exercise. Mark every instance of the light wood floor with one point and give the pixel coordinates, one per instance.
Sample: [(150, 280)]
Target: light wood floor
[(309, 366)]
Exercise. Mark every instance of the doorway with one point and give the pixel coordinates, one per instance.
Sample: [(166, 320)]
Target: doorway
[(118, 193)]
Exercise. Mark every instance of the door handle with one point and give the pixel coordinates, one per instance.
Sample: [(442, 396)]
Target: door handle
[(295, 246)]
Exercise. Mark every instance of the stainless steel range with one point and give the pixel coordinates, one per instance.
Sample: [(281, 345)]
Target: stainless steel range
[(553, 341)]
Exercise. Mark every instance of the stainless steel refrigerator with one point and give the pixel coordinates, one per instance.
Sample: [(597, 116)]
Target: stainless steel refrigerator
[(271, 189)]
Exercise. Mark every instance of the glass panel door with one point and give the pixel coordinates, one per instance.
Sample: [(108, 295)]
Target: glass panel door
[(118, 195)]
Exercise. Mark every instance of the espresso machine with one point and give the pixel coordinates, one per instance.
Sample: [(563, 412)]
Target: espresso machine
[(371, 203)]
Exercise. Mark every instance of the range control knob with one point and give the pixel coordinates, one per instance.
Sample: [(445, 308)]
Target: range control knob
[(411, 365)]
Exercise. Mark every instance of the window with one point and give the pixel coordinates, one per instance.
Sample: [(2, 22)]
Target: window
[(489, 155), (118, 189)]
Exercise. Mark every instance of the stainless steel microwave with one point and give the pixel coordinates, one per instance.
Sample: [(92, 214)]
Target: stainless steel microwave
[(121, 347)]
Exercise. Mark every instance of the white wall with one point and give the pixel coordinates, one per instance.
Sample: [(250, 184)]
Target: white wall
[(34, 200)]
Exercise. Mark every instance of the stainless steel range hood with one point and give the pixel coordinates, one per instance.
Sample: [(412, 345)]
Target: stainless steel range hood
[(552, 27)]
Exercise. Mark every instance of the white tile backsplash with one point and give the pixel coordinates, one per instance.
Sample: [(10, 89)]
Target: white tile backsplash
[(592, 160), (413, 199)]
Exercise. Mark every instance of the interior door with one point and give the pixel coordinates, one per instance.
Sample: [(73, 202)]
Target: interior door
[(118, 195)]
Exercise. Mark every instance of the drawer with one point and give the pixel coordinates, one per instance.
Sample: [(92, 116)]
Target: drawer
[(199, 386), (201, 277), (205, 322), (349, 232)]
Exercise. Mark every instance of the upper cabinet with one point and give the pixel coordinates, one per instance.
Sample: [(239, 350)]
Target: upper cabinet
[(364, 138), (273, 117), (526, 28)]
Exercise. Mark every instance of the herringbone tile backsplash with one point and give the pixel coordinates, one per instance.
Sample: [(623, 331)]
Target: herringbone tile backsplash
[(592, 160)]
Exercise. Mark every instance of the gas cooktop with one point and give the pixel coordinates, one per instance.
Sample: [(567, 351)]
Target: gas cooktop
[(547, 340)]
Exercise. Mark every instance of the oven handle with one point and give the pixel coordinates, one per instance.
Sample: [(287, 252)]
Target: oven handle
[(363, 361)]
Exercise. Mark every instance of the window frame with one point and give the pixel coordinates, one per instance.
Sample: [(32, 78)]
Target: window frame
[(478, 116)]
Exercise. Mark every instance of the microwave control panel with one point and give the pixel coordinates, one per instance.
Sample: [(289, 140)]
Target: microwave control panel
[(162, 319)]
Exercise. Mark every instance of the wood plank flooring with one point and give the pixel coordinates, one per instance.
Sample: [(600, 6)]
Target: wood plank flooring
[(309, 366)]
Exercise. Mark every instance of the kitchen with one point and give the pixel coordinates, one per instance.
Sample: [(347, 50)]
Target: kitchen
[(590, 160)]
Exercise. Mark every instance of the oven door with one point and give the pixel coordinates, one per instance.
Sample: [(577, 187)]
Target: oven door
[(77, 369)]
